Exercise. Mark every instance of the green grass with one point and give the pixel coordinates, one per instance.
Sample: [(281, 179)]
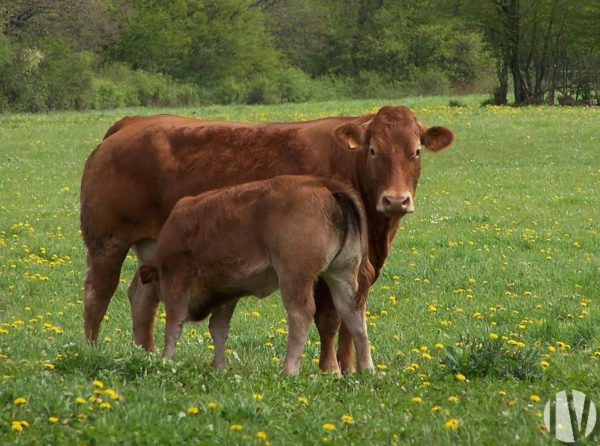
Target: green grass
[(496, 271)]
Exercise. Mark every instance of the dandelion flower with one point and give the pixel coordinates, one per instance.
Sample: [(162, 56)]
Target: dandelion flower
[(53, 419), (460, 376), (97, 383), (105, 405), (303, 399), (193, 410), (452, 423), (436, 408), (347, 419), (80, 400), (235, 427), (257, 396), (416, 399), (211, 405), (453, 399), (19, 425), (261, 435), (19, 401), (329, 427), (534, 398), (382, 367)]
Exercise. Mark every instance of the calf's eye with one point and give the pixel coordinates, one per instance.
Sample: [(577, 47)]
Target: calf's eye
[(418, 153), (372, 151)]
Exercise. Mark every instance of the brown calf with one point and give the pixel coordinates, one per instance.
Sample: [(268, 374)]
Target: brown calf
[(254, 238)]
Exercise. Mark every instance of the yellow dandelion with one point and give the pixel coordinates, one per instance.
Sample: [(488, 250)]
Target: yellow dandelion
[(48, 366), (329, 427), (113, 395), (382, 367), (80, 400), (211, 405), (303, 399), (53, 419), (193, 410), (493, 336), (19, 425), (261, 435), (416, 399), (544, 364), (105, 405), (534, 398), (453, 399), (452, 423), (236, 427), (347, 419), (460, 376), (257, 396), (19, 401), (502, 392), (439, 345), (97, 383), (436, 408)]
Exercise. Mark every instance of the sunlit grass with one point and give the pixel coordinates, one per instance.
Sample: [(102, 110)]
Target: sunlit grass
[(502, 252)]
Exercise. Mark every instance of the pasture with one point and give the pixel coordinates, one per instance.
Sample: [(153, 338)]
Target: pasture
[(489, 303)]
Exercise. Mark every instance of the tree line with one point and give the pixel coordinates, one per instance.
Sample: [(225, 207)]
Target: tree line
[(78, 54)]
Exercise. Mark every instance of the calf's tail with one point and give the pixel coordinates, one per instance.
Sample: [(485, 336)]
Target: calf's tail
[(354, 214)]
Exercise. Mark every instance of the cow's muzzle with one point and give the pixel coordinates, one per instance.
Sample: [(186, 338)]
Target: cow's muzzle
[(395, 204)]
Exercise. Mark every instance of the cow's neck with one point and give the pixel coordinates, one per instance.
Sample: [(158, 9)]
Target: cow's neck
[(381, 228)]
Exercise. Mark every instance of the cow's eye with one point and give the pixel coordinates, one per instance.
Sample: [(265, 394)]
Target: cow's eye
[(418, 153), (372, 151)]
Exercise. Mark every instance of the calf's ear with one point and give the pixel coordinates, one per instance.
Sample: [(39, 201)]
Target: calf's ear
[(350, 135), (437, 138), (148, 273)]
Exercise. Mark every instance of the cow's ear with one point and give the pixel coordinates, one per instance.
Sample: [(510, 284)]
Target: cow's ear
[(437, 138), (350, 135), (148, 273)]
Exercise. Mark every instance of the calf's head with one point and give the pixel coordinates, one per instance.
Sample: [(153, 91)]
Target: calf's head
[(390, 147)]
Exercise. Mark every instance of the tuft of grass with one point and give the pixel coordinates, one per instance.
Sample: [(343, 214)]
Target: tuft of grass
[(492, 358)]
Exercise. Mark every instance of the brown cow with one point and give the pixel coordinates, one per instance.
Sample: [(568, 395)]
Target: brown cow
[(132, 180), (253, 238)]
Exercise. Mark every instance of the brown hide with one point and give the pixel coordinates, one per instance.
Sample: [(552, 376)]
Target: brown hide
[(132, 180)]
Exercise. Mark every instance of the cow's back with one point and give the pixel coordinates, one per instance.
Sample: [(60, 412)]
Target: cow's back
[(145, 164)]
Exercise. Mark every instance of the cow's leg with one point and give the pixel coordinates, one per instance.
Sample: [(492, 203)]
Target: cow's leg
[(219, 331), (101, 281), (343, 291), (345, 354), (143, 301), (299, 303), (327, 320), (143, 298)]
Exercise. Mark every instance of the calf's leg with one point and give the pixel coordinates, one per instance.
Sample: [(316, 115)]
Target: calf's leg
[(343, 292), (327, 320), (218, 326), (176, 306), (143, 301), (297, 296), (143, 298)]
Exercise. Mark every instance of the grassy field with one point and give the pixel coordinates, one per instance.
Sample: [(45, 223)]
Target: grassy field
[(489, 303)]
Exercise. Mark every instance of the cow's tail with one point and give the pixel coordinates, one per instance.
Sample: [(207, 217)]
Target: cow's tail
[(355, 216)]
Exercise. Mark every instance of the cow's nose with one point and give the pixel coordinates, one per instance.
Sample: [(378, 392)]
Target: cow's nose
[(395, 204)]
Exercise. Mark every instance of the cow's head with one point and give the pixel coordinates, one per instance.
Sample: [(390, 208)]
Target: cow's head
[(390, 158)]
